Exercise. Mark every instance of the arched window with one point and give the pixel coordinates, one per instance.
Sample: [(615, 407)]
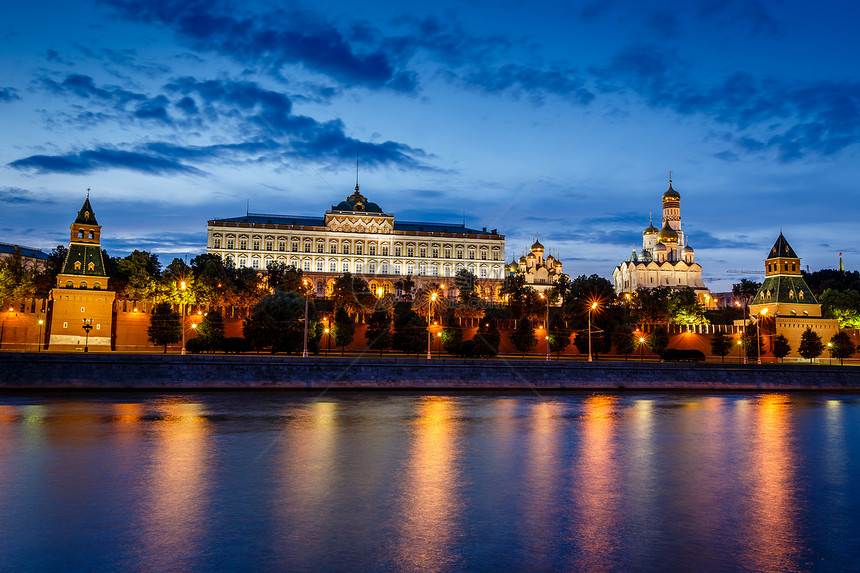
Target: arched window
[(269, 244), (70, 284), (217, 242), (371, 267), (410, 268), (77, 265), (81, 234), (307, 246), (422, 269), (282, 245), (306, 265), (384, 250), (256, 243), (359, 267), (229, 242), (92, 235), (320, 288), (243, 262), (320, 264), (384, 268), (255, 263), (83, 284), (97, 286), (483, 272), (243, 243), (91, 267), (345, 267), (332, 266), (434, 270)]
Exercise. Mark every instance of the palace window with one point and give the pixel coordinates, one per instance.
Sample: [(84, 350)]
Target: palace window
[(459, 252), (282, 245), (256, 244), (495, 255), (422, 269), (471, 253), (422, 251), (320, 247), (397, 268), (295, 247), (80, 234), (359, 249), (243, 243), (345, 249), (359, 266), (92, 235), (217, 242), (320, 288), (320, 266), (371, 250), (345, 266), (269, 244), (410, 251), (306, 265), (447, 252), (435, 252), (434, 270), (483, 255), (483, 272), (242, 262), (255, 263), (229, 242), (397, 250), (332, 248), (371, 267), (332, 266), (384, 268), (410, 268), (307, 246), (229, 260)]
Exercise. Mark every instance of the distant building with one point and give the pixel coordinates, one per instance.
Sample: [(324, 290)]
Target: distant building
[(540, 273), (31, 258), (358, 237), (81, 296), (784, 303), (666, 260)]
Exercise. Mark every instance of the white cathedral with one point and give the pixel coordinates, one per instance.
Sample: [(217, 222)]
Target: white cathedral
[(666, 260)]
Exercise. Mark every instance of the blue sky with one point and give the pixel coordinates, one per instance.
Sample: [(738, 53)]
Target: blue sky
[(562, 119)]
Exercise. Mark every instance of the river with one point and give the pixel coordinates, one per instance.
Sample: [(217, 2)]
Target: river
[(384, 481)]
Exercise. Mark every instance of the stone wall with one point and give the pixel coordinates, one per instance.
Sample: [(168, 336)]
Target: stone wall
[(153, 371)]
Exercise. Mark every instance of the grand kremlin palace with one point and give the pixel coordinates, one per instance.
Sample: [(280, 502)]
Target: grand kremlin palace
[(356, 236)]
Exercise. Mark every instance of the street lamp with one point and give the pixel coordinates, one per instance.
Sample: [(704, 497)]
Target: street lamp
[(433, 296), (182, 288), (641, 348), (39, 341), (307, 296), (758, 331), (590, 310), (744, 336), (830, 351), (328, 339), (88, 326), (546, 298), (741, 346)]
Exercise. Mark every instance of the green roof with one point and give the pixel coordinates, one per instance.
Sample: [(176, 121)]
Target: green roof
[(786, 289), (86, 216), (85, 254)]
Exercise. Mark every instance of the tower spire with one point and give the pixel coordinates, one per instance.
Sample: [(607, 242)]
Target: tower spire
[(356, 169)]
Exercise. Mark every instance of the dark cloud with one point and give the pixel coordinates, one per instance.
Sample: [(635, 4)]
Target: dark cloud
[(172, 243), (103, 158), (126, 59), (9, 94), (54, 57), (17, 195), (791, 119)]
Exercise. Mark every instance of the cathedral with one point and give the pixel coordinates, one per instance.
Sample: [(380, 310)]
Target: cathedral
[(666, 260), (540, 273)]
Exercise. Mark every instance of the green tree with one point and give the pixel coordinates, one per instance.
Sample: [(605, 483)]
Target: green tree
[(721, 345), (278, 322), (559, 334), (210, 331), (522, 300), (344, 329), (140, 272), (600, 342), (811, 346), (452, 334), (46, 279), (353, 294), (658, 341), (16, 279), (286, 278), (523, 337), (754, 343), (841, 346), (246, 288), (405, 286), (378, 332), (781, 347), (651, 305), (841, 305), (212, 280), (410, 332), (465, 282), (684, 308), (487, 338), (746, 289), (624, 341), (164, 326)]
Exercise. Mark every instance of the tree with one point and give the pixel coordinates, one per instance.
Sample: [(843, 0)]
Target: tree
[(210, 331), (344, 329), (277, 322), (841, 346), (212, 280), (523, 338), (522, 300), (841, 305), (781, 347), (410, 332), (487, 339), (46, 279), (600, 342), (754, 343), (16, 279), (651, 305), (405, 286), (378, 333), (465, 283), (658, 341), (165, 326), (559, 335), (140, 272), (721, 345), (684, 308), (452, 334), (746, 289), (624, 341), (811, 346), (246, 289), (353, 294), (286, 278)]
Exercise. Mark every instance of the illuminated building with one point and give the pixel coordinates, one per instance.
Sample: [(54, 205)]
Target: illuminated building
[(666, 260), (30, 258), (540, 273), (358, 237), (81, 296)]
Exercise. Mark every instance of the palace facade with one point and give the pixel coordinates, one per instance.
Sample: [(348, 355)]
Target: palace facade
[(666, 260), (358, 237)]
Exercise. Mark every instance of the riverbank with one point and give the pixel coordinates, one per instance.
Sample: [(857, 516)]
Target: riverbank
[(153, 371)]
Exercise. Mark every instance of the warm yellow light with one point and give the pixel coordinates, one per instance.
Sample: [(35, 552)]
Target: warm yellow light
[(763, 311), (540, 294), (641, 339), (193, 325), (433, 296), (379, 292), (199, 313), (41, 322), (740, 342), (593, 305), (182, 285), (326, 330), (135, 310), (439, 334), (829, 344)]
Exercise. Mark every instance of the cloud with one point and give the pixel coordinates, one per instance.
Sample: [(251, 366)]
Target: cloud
[(17, 195), (102, 158), (8, 95), (788, 118)]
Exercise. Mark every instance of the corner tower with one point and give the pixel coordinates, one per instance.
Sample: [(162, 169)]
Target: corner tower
[(784, 292), (81, 297)]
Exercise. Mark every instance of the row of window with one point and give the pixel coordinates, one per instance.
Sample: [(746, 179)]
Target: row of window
[(435, 250), (96, 285), (374, 267)]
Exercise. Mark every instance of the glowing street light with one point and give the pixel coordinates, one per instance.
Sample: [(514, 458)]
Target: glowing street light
[(433, 296), (590, 310), (88, 326), (182, 309), (39, 341), (641, 348), (830, 351), (307, 296), (758, 331), (546, 298)]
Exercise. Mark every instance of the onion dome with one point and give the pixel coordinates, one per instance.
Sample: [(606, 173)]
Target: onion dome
[(537, 246), (687, 250), (550, 260), (660, 248), (651, 230), (671, 196), (523, 260), (667, 234), (531, 255)]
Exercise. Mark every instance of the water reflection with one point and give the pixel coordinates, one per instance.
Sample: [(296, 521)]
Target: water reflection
[(431, 490), (772, 527), (178, 484), (597, 493)]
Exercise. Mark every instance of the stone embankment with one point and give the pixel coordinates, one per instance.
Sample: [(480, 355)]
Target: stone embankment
[(154, 371)]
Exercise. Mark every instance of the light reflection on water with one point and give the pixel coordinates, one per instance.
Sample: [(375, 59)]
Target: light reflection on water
[(442, 482)]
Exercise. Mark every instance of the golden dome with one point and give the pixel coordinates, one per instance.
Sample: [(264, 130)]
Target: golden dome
[(667, 234)]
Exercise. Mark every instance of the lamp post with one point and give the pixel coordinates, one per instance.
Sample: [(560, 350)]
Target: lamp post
[(3, 325), (88, 326), (641, 348), (39, 341), (740, 347), (546, 298), (590, 310), (182, 288), (758, 331), (307, 296), (439, 346), (328, 340), (743, 339), (430, 301), (830, 351)]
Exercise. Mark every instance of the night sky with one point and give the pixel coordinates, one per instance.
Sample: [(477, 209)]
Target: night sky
[(562, 119)]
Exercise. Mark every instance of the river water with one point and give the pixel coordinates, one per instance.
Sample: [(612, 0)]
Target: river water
[(372, 481)]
